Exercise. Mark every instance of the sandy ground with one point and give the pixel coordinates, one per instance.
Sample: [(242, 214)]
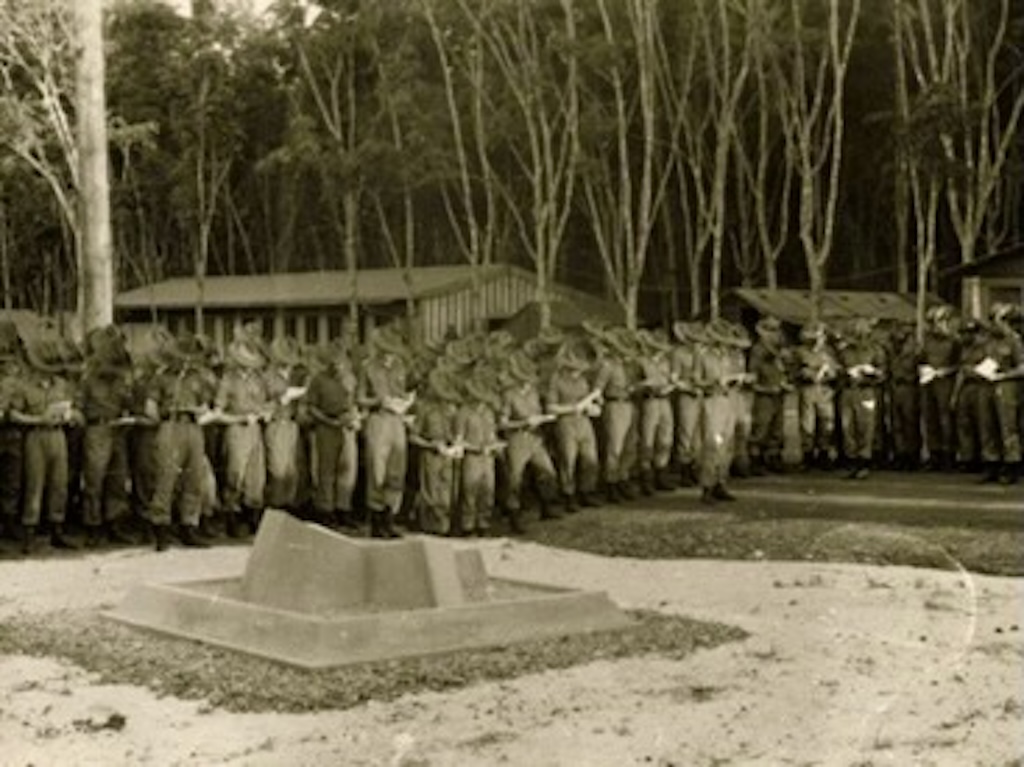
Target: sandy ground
[(845, 665)]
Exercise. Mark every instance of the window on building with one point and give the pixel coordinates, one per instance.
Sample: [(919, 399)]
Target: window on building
[(312, 328), (334, 325), (290, 322)]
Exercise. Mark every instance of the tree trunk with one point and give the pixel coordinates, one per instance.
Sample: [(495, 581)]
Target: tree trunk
[(97, 276)]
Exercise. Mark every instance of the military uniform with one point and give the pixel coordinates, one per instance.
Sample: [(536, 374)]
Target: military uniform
[(906, 412), (476, 422), (657, 419), (436, 432), (618, 414), (770, 384), (684, 362), (860, 399), (817, 369), (937, 367), (717, 414), (575, 440), (967, 397), (384, 390), (285, 384), (998, 403), (521, 407), (11, 454), (179, 395)]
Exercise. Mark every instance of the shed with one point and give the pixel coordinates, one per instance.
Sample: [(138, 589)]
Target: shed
[(313, 306), (994, 278), (794, 306)]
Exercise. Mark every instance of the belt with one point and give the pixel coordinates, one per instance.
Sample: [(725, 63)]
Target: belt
[(181, 418), (621, 398)]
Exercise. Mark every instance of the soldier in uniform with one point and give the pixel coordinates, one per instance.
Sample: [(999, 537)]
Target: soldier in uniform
[(615, 382), (44, 406), (966, 394), (436, 432), (817, 369), (768, 369), (522, 417), (999, 399), (478, 425), (573, 399), (904, 390), (938, 364), (863, 375), (385, 392), (286, 386), (684, 358), (105, 400), (657, 419), (716, 376), (12, 371), (242, 405), (179, 397)]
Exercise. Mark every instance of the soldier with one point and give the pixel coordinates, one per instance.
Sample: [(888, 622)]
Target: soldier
[(862, 368), (571, 397), (45, 406), (615, 382), (105, 399), (817, 369), (715, 377), (435, 430), (478, 425), (770, 386), (966, 394), (12, 372), (741, 401), (684, 358), (286, 386), (242, 405), (657, 419), (1000, 372), (179, 397), (904, 390), (938, 364), (385, 392), (522, 416)]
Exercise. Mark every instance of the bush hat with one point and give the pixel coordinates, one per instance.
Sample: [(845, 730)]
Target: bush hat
[(654, 340), (688, 331), (11, 346), (444, 384), (285, 351), (521, 368), (245, 354), (44, 354), (767, 325)]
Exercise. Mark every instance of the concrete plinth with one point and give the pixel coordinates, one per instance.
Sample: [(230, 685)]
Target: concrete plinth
[(313, 598)]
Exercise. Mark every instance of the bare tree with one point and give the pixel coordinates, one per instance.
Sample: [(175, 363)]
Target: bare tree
[(537, 65), (811, 75)]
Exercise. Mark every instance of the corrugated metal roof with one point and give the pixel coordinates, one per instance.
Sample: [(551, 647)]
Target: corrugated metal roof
[(326, 288), (792, 305)]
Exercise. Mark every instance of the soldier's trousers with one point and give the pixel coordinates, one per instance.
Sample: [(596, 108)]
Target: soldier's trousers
[(337, 455), (436, 494), (997, 422), (818, 420), (967, 428), (766, 432), (281, 440), (245, 467), (46, 474), (742, 402), (526, 449), (105, 474), (143, 464), (477, 492), (181, 472), (386, 461), (616, 420), (719, 427), (657, 433), (906, 420), (859, 412), (577, 454), (937, 416), (11, 471), (688, 435)]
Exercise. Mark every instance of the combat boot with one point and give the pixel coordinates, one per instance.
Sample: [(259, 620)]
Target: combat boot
[(93, 537), (515, 521), (990, 474), (646, 484), (1010, 474), (662, 482), (626, 491), (60, 540), (28, 539), (571, 504), (234, 527), (687, 477), (721, 494), (189, 536), (117, 535), (757, 467), (161, 537)]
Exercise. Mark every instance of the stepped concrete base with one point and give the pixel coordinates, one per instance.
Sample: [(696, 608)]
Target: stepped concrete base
[(314, 598)]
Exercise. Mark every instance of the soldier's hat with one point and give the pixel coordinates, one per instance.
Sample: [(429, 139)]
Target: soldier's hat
[(654, 340), (1003, 311), (285, 351), (444, 384), (688, 332), (521, 368), (389, 341), (71, 354), (43, 352), (767, 325), (246, 352), (460, 351), (572, 355), (10, 340), (812, 331), (721, 331)]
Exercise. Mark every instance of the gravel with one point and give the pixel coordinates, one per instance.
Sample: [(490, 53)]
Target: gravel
[(240, 683)]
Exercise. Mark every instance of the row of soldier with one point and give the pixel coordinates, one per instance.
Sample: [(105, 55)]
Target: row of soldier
[(591, 416)]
